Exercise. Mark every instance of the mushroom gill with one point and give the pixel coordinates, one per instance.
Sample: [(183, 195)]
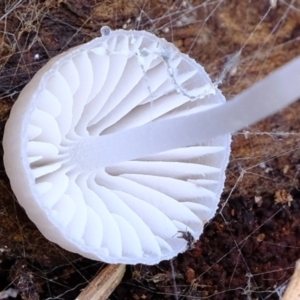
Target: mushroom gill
[(127, 212)]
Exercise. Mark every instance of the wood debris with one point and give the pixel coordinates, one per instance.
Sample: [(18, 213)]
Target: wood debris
[(293, 290), (104, 284), (9, 293), (283, 197)]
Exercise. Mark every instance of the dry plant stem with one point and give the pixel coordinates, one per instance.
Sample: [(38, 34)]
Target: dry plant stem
[(104, 284), (293, 290), (9, 293)]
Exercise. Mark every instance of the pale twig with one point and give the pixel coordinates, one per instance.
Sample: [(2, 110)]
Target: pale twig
[(293, 290), (104, 283), (9, 293)]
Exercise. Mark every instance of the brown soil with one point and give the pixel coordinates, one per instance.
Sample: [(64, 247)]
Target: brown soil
[(250, 247)]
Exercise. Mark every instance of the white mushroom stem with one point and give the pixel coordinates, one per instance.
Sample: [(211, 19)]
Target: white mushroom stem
[(273, 93)]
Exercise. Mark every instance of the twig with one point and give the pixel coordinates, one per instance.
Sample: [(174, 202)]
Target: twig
[(9, 293), (104, 284), (293, 290)]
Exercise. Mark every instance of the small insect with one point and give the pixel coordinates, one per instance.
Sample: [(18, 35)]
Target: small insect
[(186, 235)]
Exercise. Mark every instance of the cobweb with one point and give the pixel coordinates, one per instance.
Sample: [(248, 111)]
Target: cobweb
[(248, 251)]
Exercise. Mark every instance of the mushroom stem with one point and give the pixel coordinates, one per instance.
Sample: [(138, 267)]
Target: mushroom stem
[(104, 284), (271, 94)]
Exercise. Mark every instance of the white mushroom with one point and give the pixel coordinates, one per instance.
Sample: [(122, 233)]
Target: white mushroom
[(129, 212), (78, 119)]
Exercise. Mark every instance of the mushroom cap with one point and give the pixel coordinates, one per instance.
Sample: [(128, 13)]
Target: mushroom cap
[(129, 212)]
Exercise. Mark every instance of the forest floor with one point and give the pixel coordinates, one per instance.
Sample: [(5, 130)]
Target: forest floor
[(249, 249)]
